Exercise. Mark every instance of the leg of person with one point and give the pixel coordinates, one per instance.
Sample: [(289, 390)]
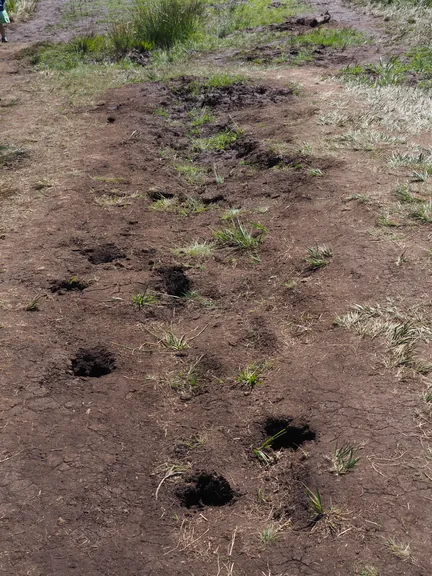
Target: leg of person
[(4, 19)]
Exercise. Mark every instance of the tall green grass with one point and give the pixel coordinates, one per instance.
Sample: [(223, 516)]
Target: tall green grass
[(163, 23), (158, 24)]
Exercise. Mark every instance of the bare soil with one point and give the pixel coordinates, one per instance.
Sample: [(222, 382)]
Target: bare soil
[(115, 458)]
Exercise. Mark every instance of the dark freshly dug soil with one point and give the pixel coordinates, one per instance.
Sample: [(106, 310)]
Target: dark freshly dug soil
[(205, 489), (93, 362), (194, 92), (176, 283), (104, 253), (294, 436), (63, 286)]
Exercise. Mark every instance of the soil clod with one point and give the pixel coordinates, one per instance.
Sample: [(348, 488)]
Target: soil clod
[(176, 282), (294, 436), (94, 362), (104, 253), (205, 489)]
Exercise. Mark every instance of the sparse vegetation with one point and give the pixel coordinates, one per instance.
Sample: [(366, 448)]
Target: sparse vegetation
[(201, 116), (34, 305), (344, 459), (191, 206), (422, 212), (238, 236), (231, 213), (402, 331), (315, 501), (218, 142), (262, 451), (360, 198), (192, 174), (195, 250), (163, 205), (271, 533), (187, 381), (329, 520), (143, 299), (172, 341), (194, 296), (402, 551), (369, 571), (427, 395), (318, 256), (153, 167), (250, 376)]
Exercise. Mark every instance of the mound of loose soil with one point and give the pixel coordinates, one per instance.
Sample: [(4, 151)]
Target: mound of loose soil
[(93, 362), (205, 489)]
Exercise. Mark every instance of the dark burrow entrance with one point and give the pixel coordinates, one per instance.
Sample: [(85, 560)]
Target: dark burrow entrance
[(63, 286), (94, 362), (176, 283), (205, 489), (104, 253), (294, 436)]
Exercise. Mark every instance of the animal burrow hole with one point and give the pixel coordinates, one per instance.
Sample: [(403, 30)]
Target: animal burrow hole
[(63, 286), (176, 283), (93, 362), (104, 253), (205, 489), (294, 436)]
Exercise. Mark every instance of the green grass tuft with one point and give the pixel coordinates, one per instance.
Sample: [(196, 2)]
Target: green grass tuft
[(250, 376), (221, 141), (238, 236), (318, 257), (195, 250), (192, 174), (344, 459), (144, 299)]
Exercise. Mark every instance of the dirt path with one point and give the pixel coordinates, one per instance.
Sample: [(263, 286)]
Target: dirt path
[(58, 21), (353, 17), (43, 26), (88, 443)]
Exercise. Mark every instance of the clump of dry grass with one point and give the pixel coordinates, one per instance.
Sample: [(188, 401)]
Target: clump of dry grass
[(21, 9), (402, 331), (400, 108)]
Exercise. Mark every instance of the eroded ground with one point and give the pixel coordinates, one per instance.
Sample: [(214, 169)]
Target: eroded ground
[(147, 359)]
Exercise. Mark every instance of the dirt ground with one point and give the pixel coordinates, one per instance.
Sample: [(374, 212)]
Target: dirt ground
[(113, 459)]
